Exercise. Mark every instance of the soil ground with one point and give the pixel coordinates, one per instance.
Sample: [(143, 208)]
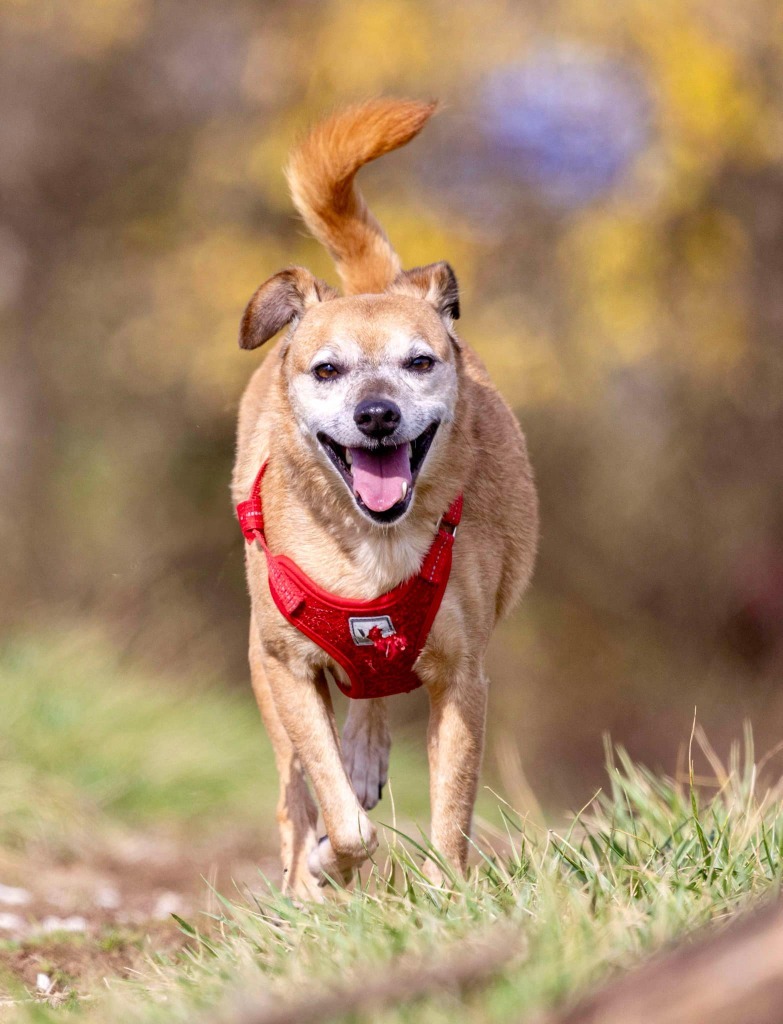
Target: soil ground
[(66, 927)]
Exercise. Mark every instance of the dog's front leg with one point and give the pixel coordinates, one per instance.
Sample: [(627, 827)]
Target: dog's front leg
[(455, 744), (304, 708), (297, 815)]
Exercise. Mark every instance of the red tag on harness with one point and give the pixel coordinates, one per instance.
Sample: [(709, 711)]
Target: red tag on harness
[(376, 642)]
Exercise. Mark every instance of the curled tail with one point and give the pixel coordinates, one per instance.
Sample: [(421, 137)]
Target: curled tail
[(321, 173)]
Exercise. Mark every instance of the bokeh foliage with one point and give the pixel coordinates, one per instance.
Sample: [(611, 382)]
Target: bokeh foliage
[(636, 330)]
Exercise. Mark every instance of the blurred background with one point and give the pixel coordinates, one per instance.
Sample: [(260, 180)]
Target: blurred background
[(607, 181)]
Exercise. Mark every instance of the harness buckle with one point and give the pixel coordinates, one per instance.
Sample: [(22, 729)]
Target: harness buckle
[(444, 524)]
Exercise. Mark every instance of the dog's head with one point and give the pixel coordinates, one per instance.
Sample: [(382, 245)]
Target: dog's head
[(371, 380)]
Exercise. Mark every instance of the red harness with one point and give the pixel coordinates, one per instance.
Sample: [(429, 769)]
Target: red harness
[(376, 642)]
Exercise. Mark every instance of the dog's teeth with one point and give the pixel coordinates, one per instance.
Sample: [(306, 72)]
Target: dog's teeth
[(410, 450), (404, 489), (348, 457)]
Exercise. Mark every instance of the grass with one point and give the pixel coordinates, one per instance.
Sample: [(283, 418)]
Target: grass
[(84, 740), (647, 862), (544, 915)]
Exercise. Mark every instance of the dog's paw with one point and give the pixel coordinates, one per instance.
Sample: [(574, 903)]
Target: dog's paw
[(366, 745), (305, 889), (435, 874), (338, 863), (324, 864)]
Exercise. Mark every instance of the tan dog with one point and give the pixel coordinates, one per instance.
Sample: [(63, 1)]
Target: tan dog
[(355, 381)]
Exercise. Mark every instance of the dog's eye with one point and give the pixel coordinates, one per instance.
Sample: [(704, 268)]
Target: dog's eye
[(420, 363), (326, 371)]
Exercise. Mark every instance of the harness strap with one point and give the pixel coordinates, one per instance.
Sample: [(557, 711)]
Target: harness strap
[(290, 594), (453, 513), (436, 565), (251, 512)]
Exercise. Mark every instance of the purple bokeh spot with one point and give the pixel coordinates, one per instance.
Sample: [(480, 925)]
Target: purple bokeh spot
[(567, 120)]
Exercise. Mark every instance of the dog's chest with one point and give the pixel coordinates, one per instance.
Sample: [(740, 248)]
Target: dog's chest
[(381, 562)]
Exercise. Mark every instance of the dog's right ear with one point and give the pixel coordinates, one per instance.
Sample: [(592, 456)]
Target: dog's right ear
[(280, 301)]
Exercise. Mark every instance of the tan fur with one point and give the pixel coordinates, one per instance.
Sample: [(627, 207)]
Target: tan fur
[(321, 175), (311, 516)]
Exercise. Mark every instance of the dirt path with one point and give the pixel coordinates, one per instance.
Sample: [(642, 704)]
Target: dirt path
[(68, 923)]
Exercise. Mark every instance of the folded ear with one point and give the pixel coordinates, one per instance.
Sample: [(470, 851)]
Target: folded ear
[(435, 283), (279, 301)]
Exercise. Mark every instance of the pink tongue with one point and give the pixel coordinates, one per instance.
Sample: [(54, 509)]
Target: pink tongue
[(378, 477)]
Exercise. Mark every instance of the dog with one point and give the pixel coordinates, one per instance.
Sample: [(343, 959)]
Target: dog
[(368, 431)]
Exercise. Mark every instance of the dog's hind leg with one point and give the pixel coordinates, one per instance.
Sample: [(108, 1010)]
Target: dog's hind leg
[(297, 815), (455, 743), (366, 745)]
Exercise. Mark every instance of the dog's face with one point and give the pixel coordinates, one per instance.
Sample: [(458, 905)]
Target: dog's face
[(371, 379)]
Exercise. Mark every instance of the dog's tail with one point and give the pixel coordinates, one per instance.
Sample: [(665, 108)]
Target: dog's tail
[(321, 174)]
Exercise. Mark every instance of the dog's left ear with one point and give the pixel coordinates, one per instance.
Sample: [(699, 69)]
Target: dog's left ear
[(436, 283), (279, 301)]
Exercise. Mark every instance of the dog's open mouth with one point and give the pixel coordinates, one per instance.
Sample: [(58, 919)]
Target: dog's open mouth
[(381, 478)]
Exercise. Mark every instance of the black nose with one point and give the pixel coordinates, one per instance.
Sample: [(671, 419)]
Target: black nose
[(377, 417)]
